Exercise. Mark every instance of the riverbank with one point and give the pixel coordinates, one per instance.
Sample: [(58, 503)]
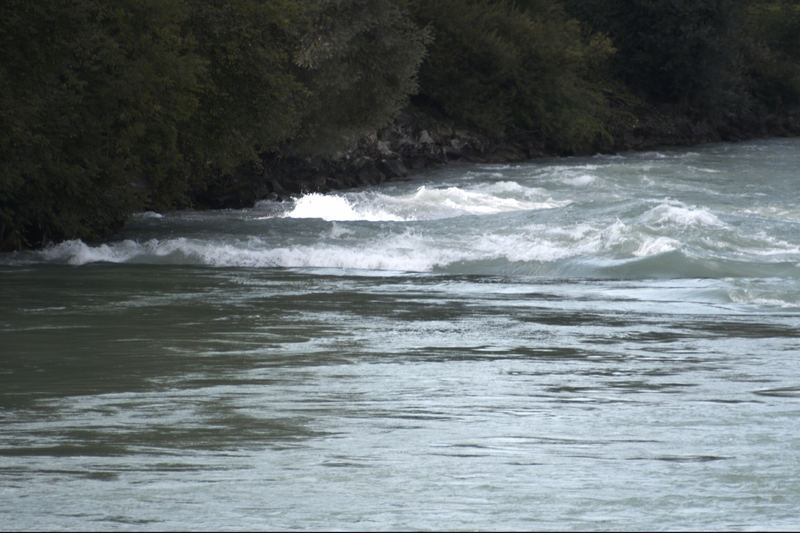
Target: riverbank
[(417, 139)]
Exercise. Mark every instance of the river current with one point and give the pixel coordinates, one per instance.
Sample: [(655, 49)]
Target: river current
[(607, 342)]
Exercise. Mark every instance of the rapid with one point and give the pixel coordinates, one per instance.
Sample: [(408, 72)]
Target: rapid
[(606, 342)]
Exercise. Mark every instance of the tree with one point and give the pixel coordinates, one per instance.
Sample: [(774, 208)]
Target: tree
[(772, 28), (680, 52), (251, 101), (92, 98), (359, 61), (507, 68), (106, 108)]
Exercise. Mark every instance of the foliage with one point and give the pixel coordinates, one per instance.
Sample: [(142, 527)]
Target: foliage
[(502, 68), (773, 57), (106, 108), (111, 107), (676, 51), (360, 63), (251, 100), (91, 98)]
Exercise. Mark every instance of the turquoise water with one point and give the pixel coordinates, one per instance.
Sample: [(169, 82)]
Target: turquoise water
[(610, 342)]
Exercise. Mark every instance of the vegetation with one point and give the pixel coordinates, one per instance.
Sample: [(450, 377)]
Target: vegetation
[(92, 102), (505, 68), (772, 29), (111, 107)]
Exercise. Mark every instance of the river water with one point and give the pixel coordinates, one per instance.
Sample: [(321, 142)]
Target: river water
[(608, 342)]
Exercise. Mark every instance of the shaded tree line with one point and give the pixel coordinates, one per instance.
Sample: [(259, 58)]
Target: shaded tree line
[(107, 108)]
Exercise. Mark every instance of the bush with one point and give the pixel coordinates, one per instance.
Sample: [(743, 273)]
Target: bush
[(680, 52), (251, 100), (92, 99), (773, 58), (359, 62), (107, 108), (506, 69)]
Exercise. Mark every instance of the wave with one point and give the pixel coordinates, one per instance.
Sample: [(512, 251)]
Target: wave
[(657, 216), (424, 203), (334, 207), (677, 214), (494, 228), (599, 217), (404, 252), (617, 251)]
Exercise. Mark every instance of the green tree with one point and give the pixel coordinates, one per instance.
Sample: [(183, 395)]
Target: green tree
[(681, 52), (359, 61), (507, 68), (92, 96), (106, 108), (773, 56), (251, 100)]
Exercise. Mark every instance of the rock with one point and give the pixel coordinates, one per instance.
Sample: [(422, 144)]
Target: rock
[(392, 168), (384, 149), (368, 173), (416, 162), (455, 149)]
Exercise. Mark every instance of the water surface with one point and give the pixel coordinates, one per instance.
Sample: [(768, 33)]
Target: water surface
[(607, 342)]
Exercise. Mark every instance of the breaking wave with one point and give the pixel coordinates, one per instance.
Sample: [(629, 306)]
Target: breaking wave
[(621, 217)]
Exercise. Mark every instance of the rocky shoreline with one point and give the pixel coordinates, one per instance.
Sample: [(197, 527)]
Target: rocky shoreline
[(416, 140)]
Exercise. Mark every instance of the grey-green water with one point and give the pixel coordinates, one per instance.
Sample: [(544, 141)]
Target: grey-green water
[(585, 343)]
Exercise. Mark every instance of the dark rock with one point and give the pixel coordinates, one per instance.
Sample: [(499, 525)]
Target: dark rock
[(416, 162), (425, 138), (392, 168), (369, 174), (419, 139)]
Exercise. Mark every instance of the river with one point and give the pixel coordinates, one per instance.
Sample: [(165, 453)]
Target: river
[(605, 343)]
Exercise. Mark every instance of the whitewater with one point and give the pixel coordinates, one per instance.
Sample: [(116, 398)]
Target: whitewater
[(667, 214), (603, 342)]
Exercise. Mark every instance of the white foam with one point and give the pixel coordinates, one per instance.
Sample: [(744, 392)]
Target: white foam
[(381, 248), (616, 240), (335, 207), (424, 203), (548, 243), (655, 246), (671, 155), (403, 252), (461, 201), (704, 170), (453, 201), (526, 247), (406, 251), (77, 252), (580, 181), (505, 187), (677, 214), (147, 214), (787, 214)]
